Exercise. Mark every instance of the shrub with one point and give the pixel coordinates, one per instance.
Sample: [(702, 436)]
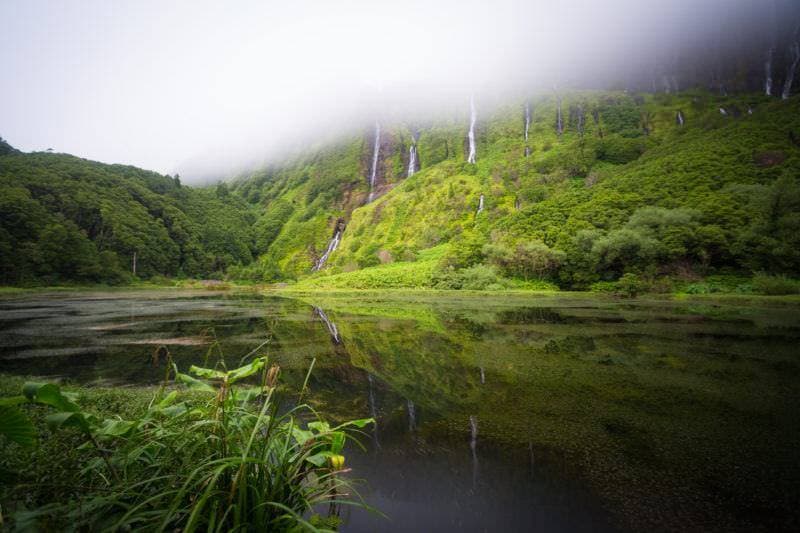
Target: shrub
[(619, 150), (630, 285), (480, 277), (532, 259), (775, 285)]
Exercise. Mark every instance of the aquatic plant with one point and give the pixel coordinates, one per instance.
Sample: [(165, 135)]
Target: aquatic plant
[(216, 455)]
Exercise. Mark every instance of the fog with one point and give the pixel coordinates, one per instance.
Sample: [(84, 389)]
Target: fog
[(205, 89)]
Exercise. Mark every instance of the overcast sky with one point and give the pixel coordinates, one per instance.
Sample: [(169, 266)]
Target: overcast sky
[(186, 86)]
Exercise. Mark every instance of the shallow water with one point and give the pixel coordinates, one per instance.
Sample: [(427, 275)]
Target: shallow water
[(512, 413)]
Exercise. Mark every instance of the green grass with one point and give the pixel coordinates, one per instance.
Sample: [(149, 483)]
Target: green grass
[(212, 454)]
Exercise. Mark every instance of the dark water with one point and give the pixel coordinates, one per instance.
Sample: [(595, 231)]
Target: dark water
[(493, 413)]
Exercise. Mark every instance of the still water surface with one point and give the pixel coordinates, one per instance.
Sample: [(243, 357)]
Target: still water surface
[(507, 413)]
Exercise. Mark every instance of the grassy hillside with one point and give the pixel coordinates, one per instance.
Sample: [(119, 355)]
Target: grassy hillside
[(624, 190), (63, 218)]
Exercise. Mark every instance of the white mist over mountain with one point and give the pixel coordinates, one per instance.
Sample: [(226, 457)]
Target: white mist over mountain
[(203, 88)]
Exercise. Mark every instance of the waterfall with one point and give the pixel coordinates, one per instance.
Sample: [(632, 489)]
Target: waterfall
[(787, 87), (480, 205), (373, 411), (471, 135), (332, 245), (412, 159), (527, 151), (330, 325), (527, 120), (483, 377), (559, 118), (723, 111), (374, 172), (768, 72), (412, 416), (679, 118)]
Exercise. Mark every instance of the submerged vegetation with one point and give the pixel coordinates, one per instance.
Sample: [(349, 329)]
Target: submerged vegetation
[(214, 455)]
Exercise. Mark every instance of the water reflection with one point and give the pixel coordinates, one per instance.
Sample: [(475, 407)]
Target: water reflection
[(593, 414)]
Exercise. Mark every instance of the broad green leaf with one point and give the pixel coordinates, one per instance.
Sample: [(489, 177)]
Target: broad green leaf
[(194, 383), (116, 428), (337, 441), (175, 410), (208, 373), (168, 400), (68, 419), (319, 426), (301, 435), (49, 394), (16, 426), (319, 459), (360, 423), (246, 370)]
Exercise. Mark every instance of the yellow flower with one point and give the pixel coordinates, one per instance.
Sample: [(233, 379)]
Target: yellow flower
[(337, 461)]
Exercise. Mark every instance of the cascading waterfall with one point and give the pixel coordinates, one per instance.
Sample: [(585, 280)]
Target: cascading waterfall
[(768, 72), (480, 205), (559, 119), (787, 87), (473, 444), (334, 332), (374, 171), (332, 245), (412, 158), (527, 120), (473, 117), (679, 119), (412, 416)]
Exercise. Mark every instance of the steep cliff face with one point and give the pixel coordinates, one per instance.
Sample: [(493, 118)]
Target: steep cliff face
[(617, 153)]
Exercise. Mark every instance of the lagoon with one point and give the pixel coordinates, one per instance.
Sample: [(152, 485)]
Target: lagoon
[(494, 411)]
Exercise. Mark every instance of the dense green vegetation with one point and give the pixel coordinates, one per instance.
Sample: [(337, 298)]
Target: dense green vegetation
[(67, 219), (625, 193), (214, 455)]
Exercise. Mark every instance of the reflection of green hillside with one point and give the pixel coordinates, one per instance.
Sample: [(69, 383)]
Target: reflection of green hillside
[(434, 369), (422, 314), (659, 406)]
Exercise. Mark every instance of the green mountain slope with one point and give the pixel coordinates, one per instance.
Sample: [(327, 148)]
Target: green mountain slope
[(624, 189), (68, 219)]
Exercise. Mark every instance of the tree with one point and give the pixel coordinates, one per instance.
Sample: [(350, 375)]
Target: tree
[(528, 259)]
